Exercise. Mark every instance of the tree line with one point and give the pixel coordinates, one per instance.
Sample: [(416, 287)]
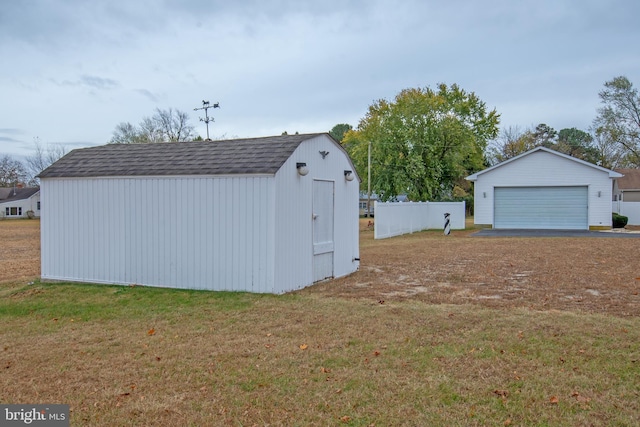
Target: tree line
[(426, 141), (423, 143)]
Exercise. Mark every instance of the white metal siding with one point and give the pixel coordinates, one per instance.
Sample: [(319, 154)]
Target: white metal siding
[(249, 233), (543, 169), (294, 267), (541, 207), (211, 233)]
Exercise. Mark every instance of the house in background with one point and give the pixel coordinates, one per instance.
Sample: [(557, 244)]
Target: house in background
[(266, 215), (544, 189), (364, 200), (17, 202), (626, 195)]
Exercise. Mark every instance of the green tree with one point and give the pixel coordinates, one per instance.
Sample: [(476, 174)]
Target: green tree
[(424, 142), (618, 120), (577, 143), (339, 131), (544, 135)]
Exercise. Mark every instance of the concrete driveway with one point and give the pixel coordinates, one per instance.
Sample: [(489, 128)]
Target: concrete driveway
[(489, 232)]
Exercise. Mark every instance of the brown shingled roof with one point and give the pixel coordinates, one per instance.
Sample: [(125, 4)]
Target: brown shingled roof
[(630, 180), (237, 156)]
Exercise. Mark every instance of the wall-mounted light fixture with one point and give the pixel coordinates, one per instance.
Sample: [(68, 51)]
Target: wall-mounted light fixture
[(599, 193), (302, 168), (484, 194), (348, 175)]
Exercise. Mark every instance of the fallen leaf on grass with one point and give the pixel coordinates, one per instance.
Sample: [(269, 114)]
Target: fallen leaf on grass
[(151, 331), (303, 346), (345, 419), (554, 400), (501, 393), (580, 398)]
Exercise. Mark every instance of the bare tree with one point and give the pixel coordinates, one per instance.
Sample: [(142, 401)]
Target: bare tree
[(174, 125), (43, 158), (164, 126), (150, 132), (611, 155), (619, 117), (511, 142), (12, 172), (125, 133)]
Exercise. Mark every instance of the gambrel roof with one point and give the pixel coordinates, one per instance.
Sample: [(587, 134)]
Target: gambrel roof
[(612, 174), (236, 156)]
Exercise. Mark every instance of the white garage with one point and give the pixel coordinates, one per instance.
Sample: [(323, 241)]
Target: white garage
[(266, 215), (543, 189)]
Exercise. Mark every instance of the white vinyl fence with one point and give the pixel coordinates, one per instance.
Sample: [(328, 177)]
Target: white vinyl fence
[(394, 219), (628, 209)]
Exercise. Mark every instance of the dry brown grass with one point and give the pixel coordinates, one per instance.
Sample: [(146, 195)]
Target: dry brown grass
[(19, 250), (596, 275), (370, 349)]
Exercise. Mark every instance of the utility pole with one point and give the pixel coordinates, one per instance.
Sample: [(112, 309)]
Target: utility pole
[(207, 119), (369, 181)]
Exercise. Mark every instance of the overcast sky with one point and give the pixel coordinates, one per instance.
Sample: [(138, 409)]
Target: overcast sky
[(73, 69)]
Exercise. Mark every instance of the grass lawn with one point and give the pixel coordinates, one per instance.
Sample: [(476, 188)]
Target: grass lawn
[(144, 356)]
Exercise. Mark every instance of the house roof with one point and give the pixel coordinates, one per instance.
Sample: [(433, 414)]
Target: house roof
[(630, 180), (612, 174), (228, 157), (9, 194)]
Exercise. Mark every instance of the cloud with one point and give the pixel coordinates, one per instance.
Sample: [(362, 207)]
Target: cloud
[(90, 81), (12, 131), (147, 94), (99, 82), (7, 139)]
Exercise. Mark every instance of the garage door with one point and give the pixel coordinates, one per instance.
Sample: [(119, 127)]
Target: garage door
[(563, 208)]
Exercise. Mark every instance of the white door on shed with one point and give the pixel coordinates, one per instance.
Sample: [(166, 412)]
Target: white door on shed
[(323, 212), (560, 208)]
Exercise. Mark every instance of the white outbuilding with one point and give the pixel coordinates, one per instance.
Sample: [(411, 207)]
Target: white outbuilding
[(267, 215), (544, 189)]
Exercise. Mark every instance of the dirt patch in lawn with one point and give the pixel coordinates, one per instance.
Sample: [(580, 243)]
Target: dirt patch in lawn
[(597, 275), (19, 250)]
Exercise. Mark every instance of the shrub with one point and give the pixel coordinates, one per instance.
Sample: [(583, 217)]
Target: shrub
[(619, 221)]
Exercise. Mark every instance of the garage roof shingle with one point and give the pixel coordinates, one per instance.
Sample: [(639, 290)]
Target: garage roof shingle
[(630, 180), (228, 157)]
